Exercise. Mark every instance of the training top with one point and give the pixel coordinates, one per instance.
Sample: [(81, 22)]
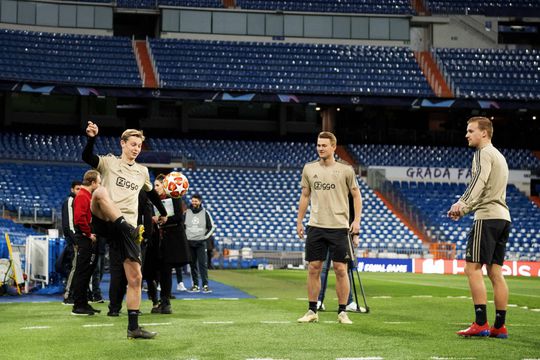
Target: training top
[(82, 216), (330, 187), (486, 193), (124, 182)]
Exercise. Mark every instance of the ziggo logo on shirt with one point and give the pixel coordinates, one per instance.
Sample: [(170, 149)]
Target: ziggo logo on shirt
[(319, 185), (120, 181)]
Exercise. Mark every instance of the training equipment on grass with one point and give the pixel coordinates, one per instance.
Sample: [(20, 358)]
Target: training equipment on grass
[(175, 184)]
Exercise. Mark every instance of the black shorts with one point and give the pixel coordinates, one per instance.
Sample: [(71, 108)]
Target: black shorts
[(320, 240), (487, 241), (127, 248)]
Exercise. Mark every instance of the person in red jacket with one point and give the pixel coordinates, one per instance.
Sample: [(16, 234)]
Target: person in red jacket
[(85, 243)]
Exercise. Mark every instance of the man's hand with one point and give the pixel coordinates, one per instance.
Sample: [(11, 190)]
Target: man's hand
[(92, 129), (300, 230), (93, 238), (456, 211), (355, 227), (356, 240), (162, 220)]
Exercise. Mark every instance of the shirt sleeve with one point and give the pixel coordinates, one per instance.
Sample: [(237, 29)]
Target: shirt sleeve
[(481, 169), (147, 183), (352, 183), (305, 180)]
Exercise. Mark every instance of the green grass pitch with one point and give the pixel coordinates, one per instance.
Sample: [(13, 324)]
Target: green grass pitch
[(412, 316)]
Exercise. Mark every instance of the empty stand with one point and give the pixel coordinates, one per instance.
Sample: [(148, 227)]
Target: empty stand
[(434, 156), (432, 200), (492, 73), (299, 68), (485, 7), (336, 6), (67, 58)]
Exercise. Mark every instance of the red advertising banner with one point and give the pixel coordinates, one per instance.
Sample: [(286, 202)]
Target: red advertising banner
[(440, 266)]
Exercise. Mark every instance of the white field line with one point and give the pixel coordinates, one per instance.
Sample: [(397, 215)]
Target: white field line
[(97, 325), (275, 322), (35, 327)]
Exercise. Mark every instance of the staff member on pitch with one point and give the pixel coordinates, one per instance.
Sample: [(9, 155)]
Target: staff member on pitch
[(115, 209), (327, 184), (85, 243), (486, 196)]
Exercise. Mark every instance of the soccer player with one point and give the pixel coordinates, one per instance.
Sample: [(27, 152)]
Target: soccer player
[(486, 196), (85, 243), (326, 183), (115, 208)]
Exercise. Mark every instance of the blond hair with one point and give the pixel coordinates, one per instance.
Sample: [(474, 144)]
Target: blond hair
[(132, 132), (328, 135), (89, 177), (483, 124)]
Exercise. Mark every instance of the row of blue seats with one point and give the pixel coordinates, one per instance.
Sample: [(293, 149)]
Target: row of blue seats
[(165, 52), (78, 59), (434, 156), (485, 7)]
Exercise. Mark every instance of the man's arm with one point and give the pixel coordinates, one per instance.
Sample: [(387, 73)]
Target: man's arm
[(302, 209), (67, 220), (88, 155), (210, 226), (156, 201), (357, 202), (469, 200)]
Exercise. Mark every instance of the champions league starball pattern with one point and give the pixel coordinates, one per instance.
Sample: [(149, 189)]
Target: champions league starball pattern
[(175, 184)]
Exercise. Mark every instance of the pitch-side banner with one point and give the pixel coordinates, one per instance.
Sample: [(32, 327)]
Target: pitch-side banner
[(443, 174), (439, 266)]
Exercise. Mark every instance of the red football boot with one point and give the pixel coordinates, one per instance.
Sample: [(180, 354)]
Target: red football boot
[(475, 330), (500, 333)]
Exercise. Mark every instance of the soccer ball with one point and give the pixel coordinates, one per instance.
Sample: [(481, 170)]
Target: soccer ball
[(175, 184)]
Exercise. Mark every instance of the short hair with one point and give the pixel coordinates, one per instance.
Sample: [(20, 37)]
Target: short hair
[(160, 177), (132, 132), (483, 124), (328, 135), (89, 177), (75, 183), (197, 196)]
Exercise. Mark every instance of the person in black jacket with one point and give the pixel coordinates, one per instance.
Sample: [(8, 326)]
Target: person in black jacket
[(68, 228), (173, 247)]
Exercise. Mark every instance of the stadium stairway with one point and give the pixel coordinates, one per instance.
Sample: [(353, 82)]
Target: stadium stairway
[(144, 61), (343, 154), (403, 218), (420, 7), (433, 74)]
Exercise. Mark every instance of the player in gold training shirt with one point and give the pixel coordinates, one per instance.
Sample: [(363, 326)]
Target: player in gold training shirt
[(486, 197), (327, 183), (114, 216)]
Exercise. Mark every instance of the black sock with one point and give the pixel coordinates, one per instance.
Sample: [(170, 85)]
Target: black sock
[(341, 308), (481, 316), (123, 226), (500, 318), (133, 319), (313, 306)]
